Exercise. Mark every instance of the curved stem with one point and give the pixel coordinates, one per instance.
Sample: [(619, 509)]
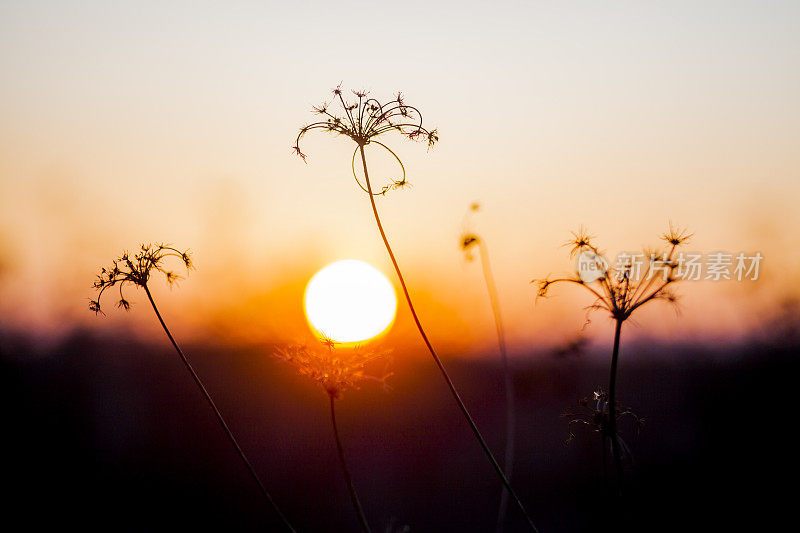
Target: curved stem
[(508, 458), (438, 361), (612, 407), (221, 420), (353, 495)]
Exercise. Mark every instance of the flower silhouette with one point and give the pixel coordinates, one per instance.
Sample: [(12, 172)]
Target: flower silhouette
[(365, 120), (136, 269), (334, 370)]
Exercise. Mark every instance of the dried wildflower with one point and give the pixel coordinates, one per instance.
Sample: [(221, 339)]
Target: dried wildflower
[(136, 269), (676, 236), (365, 120), (621, 290), (594, 412), (581, 240), (335, 370)]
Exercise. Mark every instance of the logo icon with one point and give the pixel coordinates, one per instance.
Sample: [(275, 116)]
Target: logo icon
[(591, 266)]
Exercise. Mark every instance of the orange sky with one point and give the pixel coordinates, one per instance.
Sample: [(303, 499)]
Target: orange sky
[(145, 123)]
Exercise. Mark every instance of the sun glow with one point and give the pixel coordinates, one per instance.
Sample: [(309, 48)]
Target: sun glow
[(350, 301)]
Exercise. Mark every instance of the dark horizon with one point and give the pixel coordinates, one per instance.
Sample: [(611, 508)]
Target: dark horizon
[(112, 434)]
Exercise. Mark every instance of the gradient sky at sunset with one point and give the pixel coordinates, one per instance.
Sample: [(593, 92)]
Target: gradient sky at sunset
[(140, 121)]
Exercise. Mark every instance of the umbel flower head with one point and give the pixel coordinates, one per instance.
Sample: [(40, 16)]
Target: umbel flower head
[(623, 288), (136, 269), (334, 370), (364, 121)]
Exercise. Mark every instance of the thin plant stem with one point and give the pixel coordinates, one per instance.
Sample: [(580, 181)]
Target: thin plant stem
[(350, 487), (508, 458), (438, 361), (221, 420), (612, 408)]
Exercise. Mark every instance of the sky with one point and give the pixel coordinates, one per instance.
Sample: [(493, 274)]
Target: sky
[(133, 122)]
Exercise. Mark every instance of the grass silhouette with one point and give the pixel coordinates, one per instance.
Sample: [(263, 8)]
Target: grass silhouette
[(137, 269), (363, 121), (620, 290), (469, 241), (334, 372)]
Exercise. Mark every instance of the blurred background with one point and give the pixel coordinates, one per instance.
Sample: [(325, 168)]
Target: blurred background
[(143, 122)]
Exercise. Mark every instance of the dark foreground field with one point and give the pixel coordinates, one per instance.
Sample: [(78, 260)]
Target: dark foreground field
[(110, 435)]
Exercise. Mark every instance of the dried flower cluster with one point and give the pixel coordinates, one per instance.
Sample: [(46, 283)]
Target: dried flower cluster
[(365, 120), (594, 412), (135, 269), (335, 370), (623, 288)]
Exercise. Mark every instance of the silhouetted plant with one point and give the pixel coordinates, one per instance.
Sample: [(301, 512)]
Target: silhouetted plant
[(470, 241), (136, 270), (594, 413), (363, 122), (335, 372), (620, 290)]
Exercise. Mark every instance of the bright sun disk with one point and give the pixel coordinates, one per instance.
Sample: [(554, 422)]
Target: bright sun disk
[(350, 301)]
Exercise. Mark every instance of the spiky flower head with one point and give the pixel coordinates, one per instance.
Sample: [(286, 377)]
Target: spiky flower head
[(333, 369), (676, 236), (136, 269), (366, 119), (622, 288), (581, 241)]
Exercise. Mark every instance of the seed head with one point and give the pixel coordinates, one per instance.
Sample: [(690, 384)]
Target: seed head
[(334, 370), (581, 240), (676, 236), (136, 270), (366, 119), (623, 288)]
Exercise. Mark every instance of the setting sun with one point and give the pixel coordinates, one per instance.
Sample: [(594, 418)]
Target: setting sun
[(350, 301)]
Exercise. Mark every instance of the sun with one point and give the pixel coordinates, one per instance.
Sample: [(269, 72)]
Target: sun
[(350, 301)]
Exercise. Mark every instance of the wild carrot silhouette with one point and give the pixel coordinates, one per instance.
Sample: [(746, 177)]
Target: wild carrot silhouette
[(363, 121), (620, 290), (335, 372), (469, 241), (136, 269)]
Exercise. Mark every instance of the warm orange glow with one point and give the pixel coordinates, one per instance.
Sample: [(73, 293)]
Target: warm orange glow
[(350, 301)]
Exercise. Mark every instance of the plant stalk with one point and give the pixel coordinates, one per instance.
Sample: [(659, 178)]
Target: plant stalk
[(350, 487), (508, 458), (612, 407), (436, 359), (221, 420)]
